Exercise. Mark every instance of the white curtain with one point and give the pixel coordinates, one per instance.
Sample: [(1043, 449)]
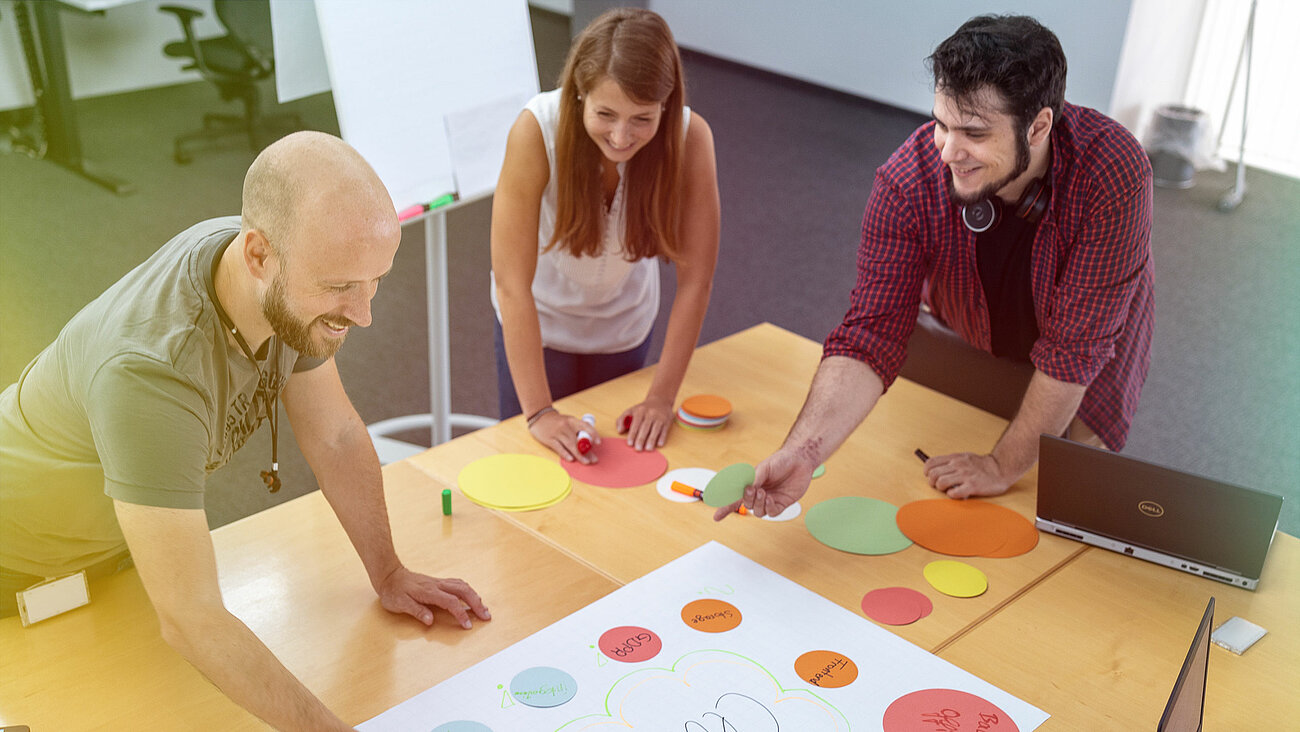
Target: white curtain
[(1274, 113)]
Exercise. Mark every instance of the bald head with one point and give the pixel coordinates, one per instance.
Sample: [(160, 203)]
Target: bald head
[(312, 178)]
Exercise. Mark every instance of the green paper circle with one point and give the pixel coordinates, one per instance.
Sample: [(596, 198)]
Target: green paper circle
[(728, 485), (856, 524), (820, 471)]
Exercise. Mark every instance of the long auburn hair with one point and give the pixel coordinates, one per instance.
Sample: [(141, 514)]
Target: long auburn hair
[(634, 47)]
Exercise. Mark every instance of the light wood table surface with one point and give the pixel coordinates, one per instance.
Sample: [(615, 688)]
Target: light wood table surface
[(1098, 645), (765, 372), (290, 574)]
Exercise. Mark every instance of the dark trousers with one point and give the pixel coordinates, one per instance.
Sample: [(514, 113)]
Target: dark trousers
[(567, 373)]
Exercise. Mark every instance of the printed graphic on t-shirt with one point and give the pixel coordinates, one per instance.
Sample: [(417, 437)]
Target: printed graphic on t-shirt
[(244, 416)]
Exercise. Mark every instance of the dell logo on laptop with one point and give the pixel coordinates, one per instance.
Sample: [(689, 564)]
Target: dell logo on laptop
[(1152, 509)]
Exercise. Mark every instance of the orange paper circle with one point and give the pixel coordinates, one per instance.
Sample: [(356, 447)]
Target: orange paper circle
[(970, 528), (826, 669), (710, 615), (707, 406)]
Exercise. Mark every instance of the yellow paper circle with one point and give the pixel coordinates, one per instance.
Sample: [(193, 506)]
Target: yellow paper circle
[(954, 578), (514, 482)]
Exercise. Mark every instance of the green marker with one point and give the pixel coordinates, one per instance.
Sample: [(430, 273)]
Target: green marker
[(442, 200), (446, 501)]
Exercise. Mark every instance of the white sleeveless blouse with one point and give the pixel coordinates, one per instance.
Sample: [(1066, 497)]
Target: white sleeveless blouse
[(601, 304)]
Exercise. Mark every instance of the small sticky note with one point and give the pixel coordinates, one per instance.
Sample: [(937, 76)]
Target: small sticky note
[(1237, 634)]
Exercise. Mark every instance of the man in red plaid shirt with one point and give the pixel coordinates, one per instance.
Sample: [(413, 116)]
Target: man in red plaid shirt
[(1023, 222)]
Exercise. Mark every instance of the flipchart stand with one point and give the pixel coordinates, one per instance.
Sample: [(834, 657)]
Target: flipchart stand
[(439, 419)]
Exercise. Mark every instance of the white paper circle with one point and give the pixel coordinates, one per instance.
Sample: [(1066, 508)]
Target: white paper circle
[(694, 477), (791, 512)]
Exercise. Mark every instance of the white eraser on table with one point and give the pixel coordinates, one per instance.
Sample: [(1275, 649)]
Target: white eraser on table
[(53, 597), (1237, 634)]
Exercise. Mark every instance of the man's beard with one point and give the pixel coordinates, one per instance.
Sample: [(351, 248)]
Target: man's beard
[(988, 191), (292, 331)]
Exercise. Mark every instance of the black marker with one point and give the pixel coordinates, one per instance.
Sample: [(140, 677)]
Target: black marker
[(921, 454)]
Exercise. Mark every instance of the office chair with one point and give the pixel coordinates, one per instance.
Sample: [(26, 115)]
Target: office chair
[(235, 63)]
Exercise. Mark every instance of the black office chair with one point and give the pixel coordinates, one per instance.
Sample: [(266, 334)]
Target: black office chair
[(235, 63)]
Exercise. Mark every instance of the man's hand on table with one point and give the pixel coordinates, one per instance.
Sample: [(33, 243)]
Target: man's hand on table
[(966, 474), (404, 591)]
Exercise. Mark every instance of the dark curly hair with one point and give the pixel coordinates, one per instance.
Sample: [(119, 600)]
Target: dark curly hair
[(1013, 54)]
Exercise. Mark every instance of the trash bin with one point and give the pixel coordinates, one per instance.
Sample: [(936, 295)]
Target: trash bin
[(1176, 133)]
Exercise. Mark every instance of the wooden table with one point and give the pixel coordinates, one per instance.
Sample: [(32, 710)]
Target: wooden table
[(290, 574), (765, 372), (1098, 644), (1092, 637)]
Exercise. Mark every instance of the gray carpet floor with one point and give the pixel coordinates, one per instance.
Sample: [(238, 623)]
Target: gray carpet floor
[(795, 166)]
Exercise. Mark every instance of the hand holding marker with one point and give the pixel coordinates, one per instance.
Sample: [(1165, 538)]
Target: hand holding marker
[(687, 490), (584, 437)]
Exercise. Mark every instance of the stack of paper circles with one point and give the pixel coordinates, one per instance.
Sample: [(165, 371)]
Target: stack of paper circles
[(896, 605), (514, 482), (704, 412), (971, 528)]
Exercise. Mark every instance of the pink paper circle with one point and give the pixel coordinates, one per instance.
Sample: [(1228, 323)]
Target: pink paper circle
[(896, 605), (945, 709), (630, 644), (618, 465)]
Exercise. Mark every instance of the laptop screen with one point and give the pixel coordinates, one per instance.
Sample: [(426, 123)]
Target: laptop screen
[(1186, 703)]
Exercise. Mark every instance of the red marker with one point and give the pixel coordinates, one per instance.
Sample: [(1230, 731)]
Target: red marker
[(627, 423), (411, 212), (584, 437)]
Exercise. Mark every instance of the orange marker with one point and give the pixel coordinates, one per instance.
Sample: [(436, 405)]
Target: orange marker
[(686, 490)]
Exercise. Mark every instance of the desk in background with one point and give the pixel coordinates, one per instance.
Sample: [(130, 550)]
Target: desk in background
[(62, 135)]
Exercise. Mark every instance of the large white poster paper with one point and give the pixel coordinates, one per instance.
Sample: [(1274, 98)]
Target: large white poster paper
[(398, 67), (299, 57), (711, 642)]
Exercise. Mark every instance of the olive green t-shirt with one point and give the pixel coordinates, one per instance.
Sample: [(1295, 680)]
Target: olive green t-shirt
[(138, 399)]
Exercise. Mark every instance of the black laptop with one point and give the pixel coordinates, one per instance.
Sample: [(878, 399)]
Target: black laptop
[(1186, 706), (1188, 522)]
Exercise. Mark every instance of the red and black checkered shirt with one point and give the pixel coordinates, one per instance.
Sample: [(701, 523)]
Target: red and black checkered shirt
[(1091, 267)]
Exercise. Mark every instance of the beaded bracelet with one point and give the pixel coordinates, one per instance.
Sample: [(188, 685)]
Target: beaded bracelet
[(538, 414)]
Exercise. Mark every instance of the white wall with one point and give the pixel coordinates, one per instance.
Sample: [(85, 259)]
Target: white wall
[(876, 48), (118, 51)]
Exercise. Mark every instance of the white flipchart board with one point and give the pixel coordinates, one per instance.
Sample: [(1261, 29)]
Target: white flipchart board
[(398, 68)]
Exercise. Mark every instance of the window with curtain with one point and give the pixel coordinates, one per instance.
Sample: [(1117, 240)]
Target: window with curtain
[(1274, 100)]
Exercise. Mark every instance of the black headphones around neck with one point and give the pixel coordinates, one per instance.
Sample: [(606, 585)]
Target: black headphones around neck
[(985, 214)]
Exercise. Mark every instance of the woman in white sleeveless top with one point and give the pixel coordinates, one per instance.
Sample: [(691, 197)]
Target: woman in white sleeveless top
[(602, 178)]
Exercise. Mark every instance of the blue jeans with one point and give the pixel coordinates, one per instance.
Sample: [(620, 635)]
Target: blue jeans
[(567, 373)]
